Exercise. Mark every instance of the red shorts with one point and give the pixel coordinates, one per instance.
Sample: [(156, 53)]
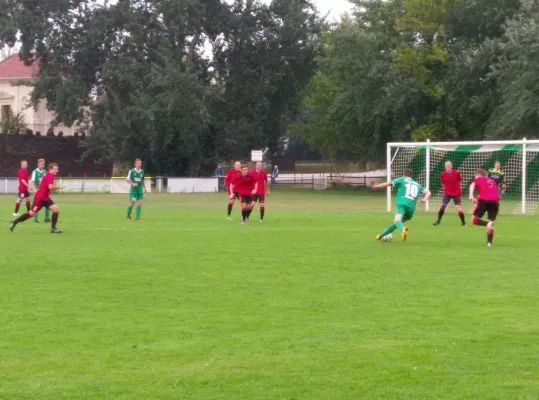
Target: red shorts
[(39, 204)]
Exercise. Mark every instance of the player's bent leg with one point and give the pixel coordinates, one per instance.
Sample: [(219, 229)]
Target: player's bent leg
[(130, 209), (17, 205), (398, 219), (244, 212), (55, 215), (460, 211), (387, 231), (23, 218)]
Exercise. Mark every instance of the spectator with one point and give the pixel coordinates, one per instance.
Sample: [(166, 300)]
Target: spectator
[(274, 174), (219, 171)]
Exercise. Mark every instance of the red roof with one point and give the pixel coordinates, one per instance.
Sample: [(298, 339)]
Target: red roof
[(13, 68)]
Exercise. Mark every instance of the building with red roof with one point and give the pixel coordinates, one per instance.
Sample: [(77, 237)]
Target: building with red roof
[(14, 98)]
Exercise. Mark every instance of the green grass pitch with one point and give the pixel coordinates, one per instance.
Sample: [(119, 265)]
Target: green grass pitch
[(188, 305)]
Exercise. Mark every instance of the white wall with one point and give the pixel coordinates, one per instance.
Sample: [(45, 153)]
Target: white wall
[(193, 185), (35, 120)]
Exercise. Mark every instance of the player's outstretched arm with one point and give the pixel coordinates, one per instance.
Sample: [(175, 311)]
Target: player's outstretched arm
[(426, 195), (381, 185)]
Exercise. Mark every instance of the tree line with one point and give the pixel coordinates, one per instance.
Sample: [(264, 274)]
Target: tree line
[(186, 83)]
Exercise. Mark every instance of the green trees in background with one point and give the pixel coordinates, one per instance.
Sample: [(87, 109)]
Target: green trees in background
[(415, 69), (183, 83), (180, 83)]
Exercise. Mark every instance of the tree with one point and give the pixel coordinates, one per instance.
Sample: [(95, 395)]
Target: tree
[(140, 72)]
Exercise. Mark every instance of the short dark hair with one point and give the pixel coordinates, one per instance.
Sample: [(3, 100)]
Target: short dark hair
[(52, 165), (138, 159), (407, 172), (23, 161), (41, 160), (244, 166)]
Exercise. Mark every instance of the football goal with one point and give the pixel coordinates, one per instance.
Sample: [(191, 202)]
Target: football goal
[(519, 161)]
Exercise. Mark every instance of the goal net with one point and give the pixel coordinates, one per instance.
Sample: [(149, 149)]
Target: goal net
[(320, 183), (519, 161)]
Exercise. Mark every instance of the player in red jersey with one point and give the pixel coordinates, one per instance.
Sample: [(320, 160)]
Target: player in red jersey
[(451, 181), (230, 177), (42, 199), (23, 192), (488, 201), (245, 186), (261, 178)]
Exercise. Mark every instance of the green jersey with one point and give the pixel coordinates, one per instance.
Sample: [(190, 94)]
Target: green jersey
[(136, 177), (497, 175), (37, 175), (408, 192)]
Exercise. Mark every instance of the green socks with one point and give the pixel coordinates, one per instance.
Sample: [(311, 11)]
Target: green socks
[(400, 225), (47, 214), (129, 209), (388, 230), (36, 218), (139, 209)]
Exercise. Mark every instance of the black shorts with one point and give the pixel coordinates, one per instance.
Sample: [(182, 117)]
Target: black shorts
[(236, 196), (456, 199), (39, 204), (259, 197), (24, 195), (246, 199), (489, 207)]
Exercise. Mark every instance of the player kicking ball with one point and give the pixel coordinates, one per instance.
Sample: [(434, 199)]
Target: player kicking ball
[(451, 181), (246, 186), (42, 199), (488, 201), (408, 192), (135, 178)]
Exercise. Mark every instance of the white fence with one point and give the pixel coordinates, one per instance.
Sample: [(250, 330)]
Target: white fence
[(193, 185), (79, 185)]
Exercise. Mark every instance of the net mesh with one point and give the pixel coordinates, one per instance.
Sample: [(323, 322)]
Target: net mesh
[(320, 183), (467, 159)]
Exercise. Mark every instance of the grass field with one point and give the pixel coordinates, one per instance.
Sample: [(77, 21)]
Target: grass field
[(188, 305)]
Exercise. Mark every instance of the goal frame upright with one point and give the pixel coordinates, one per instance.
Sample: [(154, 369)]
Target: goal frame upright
[(430, 145)]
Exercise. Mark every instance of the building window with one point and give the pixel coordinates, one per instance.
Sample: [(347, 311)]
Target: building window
[(7, 113)]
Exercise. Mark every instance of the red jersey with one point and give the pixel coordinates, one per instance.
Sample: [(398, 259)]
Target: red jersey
[(44, 193), (231, 176), (487, 189), (244, 185), (23, 176), (261, 178), (451, 182)]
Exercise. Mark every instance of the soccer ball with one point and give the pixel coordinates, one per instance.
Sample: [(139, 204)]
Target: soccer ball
[(387, 238)]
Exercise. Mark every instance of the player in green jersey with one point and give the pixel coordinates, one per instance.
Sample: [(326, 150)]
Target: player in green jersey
[(136, 192), (408, 192), (498, 176), (35, 180)]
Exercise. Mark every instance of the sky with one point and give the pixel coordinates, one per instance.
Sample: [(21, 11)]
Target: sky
[(334, 7)]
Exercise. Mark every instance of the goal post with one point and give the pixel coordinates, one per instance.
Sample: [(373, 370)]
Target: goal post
[(519, 161)]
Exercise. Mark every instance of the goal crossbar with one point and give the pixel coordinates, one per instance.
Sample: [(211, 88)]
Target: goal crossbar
[(519, 158)]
